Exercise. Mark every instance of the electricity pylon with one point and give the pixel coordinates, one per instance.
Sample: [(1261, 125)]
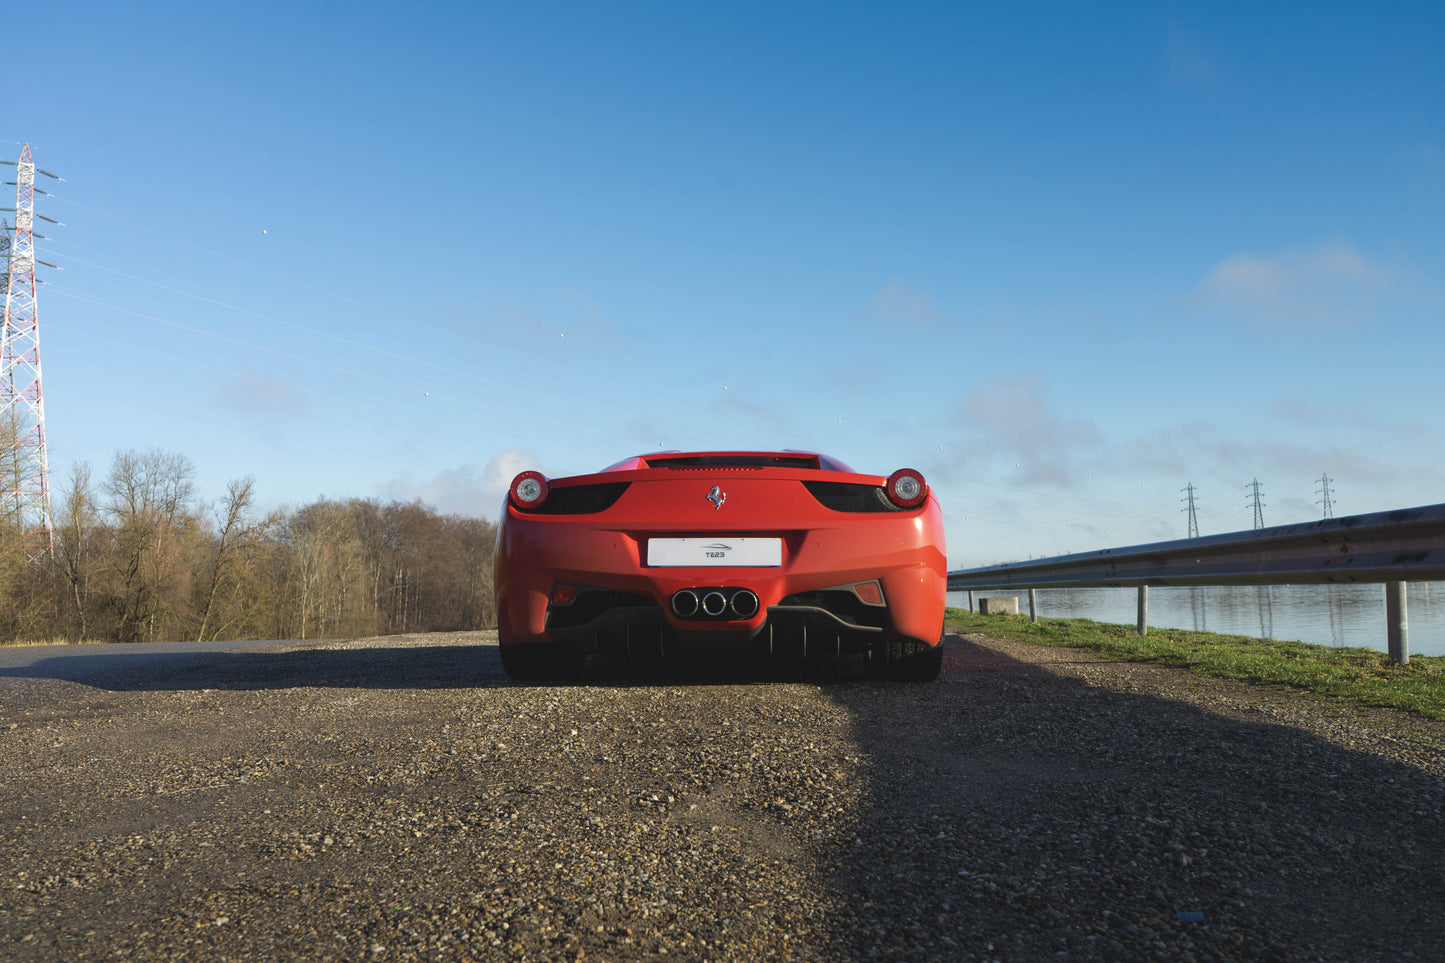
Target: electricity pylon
[(1258, 505), (1324, 492), (25, 485), (1193, 517)]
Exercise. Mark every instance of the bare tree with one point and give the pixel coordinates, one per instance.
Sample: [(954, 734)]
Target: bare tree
[(150, 512), (75, 536), (237, 531), (427, 572), (138, 557), (328, 571)]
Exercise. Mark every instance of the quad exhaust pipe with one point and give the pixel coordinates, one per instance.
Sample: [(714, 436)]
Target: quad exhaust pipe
[(715, 604), (685, 604), (744, 604)]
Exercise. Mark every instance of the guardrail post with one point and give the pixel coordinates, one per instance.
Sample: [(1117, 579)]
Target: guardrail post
[(1033, 608), (970, 600), (1397, 622), (1143, 609)]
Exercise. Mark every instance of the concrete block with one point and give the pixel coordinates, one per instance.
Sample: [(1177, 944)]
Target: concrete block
[(999, 605)]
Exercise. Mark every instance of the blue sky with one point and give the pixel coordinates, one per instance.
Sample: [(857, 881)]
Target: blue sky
[(1064, 259)]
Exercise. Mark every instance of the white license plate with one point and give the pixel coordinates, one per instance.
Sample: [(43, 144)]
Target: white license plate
[(734, 552)]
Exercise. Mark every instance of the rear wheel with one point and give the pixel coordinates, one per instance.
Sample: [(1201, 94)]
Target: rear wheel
[(905, 661), (542, 661)]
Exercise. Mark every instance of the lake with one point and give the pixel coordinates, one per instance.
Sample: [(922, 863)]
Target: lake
[(1321, 614)]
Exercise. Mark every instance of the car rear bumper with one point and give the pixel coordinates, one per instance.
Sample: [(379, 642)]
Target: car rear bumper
[(624, 605)]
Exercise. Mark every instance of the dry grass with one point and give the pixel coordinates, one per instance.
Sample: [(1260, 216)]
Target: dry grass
[(16, 643)]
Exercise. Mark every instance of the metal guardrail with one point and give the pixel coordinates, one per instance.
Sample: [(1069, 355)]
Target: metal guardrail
[(1386, 547)]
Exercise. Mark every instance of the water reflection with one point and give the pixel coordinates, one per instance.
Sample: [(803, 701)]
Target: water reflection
[(1198, 609), (1322, 614), (1265, 594)]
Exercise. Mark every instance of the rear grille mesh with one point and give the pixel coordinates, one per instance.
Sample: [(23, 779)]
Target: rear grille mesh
[(847, 497)]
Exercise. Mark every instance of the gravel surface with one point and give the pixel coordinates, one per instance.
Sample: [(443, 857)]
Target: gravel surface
[(398, 798)]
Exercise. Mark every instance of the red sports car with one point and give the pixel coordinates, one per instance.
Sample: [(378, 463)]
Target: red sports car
[(787, 554)]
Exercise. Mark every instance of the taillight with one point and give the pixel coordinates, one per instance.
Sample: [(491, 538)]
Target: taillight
[(529, 490), (906, 488)]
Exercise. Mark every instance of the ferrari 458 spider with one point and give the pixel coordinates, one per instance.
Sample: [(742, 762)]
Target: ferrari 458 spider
[(784, 554)]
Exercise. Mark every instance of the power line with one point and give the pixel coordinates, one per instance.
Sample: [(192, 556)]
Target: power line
[(601, 399)]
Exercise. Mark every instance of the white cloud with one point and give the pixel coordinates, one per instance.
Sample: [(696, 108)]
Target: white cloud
[(1186, 62), (897, 303), (501, 469), (1429, 160), (463, 490), (261, 396), (1331, 284), (1198, 449), (1015, 423)]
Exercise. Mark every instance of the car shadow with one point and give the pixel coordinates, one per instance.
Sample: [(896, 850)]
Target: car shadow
[(1045, 817), (269, 666), (438, 664)]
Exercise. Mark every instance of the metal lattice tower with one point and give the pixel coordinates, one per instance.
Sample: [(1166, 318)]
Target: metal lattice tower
[(25, 485), (1193, 516), (1325, 498), (1258, 505)]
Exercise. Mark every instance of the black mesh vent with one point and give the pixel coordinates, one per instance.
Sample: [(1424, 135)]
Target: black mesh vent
[(580, 499), (846, 497), (734, 461), (845, 605), (592, 603)]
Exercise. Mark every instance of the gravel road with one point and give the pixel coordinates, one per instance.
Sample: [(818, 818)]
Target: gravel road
[(397, 798)]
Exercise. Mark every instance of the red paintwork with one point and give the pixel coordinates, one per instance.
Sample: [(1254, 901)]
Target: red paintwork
[(821, 547)]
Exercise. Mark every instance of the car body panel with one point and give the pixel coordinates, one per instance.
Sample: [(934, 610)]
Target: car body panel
[(764, 496)]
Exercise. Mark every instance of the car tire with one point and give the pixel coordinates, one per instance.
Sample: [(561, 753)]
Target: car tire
[(923, 665), (542, 662), (905, 661)]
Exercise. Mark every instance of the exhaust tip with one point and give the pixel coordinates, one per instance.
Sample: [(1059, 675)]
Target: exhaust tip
[(745, 604), (714, 603), (685, 603)]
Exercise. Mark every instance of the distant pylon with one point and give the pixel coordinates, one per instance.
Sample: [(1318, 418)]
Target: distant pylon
[(1193, 517), (1258, 505), (1324, 492), (25, 485)]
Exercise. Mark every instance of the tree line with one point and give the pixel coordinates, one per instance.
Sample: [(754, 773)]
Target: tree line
[(139, 557)]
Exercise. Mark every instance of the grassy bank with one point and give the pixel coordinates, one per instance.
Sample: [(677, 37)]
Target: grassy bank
[(1362, 676)]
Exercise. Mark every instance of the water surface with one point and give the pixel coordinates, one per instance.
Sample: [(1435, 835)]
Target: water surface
[(1320, 614)]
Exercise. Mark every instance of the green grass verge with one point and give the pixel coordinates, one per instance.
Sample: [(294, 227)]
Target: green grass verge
[(1360, 676)]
